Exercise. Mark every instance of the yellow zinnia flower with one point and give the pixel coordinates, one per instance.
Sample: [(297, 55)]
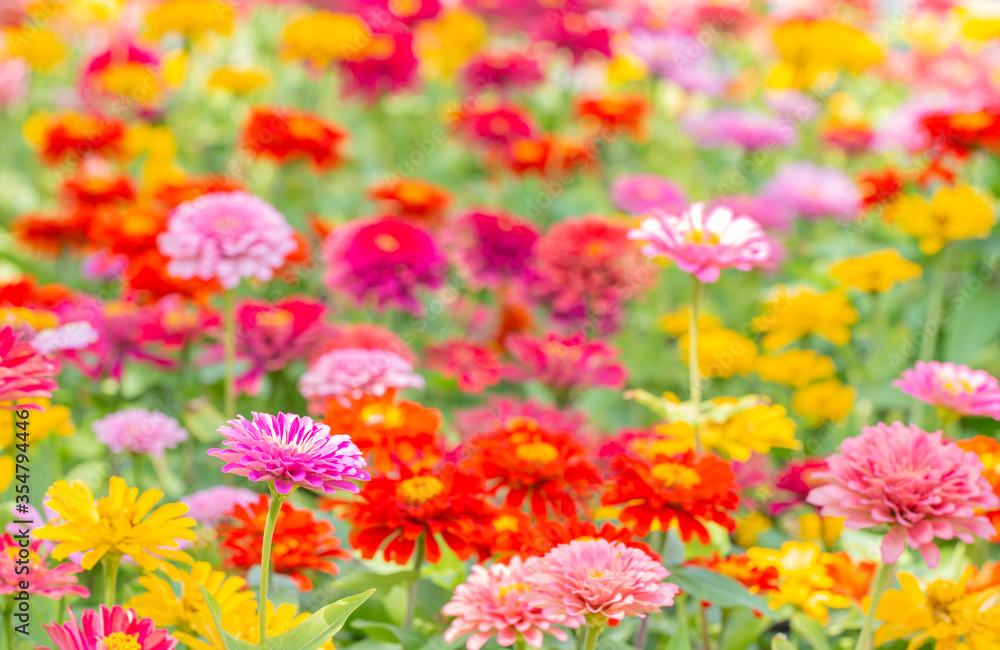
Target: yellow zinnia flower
[(190, 18), (40, 48), (875, 272), (677, 323), (951, 614), (757, 429), (54, 419), (795, 368), (814, 528), (186, 609), (243, 623), (116, 524), (237, 81), (36, 319), (953, 214), (826, 401), (803, 579), (444, 44), (791, 315), (811, 48), (750, 526), (722, 353), (323, 37)]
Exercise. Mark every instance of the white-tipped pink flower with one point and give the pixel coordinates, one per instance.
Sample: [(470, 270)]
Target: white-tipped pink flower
[(493, 602), (594, 581), (919, 484), (353, 372), (952, 387), (704, 245)]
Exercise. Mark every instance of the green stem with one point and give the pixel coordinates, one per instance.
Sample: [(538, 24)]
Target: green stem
[(110, 564), (265, 558), (521, 644), (695, 374), (135, 470), (593, 631), (229, 344), (884, 576), (706, 639), (411, 601), (8, 622)]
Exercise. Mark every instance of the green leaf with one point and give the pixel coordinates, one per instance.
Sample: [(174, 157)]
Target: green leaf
[(743, 628), (316, 630), (362, 580), (716, 588), (811, 630), (203, 420), (781, 642), (438, 643), (231, 642), (409, 639)]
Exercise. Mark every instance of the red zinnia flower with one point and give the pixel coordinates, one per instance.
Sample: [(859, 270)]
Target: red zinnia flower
[(172, 193), (551, 468), (146, 280), (682, 488), (96, 189), (625, 113), (962, 133), (412, 199), (516, 534), (430, 503), (284, 134), (498, 126), (127, 230), (71, 137), (880, 187), (52, 233), (301, 542)]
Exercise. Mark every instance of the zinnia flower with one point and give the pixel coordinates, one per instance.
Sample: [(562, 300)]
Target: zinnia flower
[(704, 245), (300, 542), (226, 236), (385, 258), (953, 214), (638, 194), (812, 192), (921, 485), (494, 602), (109, 629), (211, 505), (744, 129), (492, 248), (598, 580), (804, 580), (139, 431), (290, 451), (565, 365), (54, 581), (353, 372), (284, 135), (476, 367), (952, 387), (412, 198), (116, 524), (875, 272), (25, 373)]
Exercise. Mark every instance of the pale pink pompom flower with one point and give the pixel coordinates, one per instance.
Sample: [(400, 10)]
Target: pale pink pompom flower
[(704, 245), (139, 431), (919, 484), (952, 387), (594, 581), (212, 505), (350, 373), (226, 236), (493, 602)]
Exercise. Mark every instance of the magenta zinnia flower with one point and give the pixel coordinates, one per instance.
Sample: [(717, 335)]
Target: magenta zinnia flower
[(501, 71), (394, 69), (387, 259), (353, 372), (49, 581), (598, 579), (226, 236), (953, 387), (493, 602), (291, 450), (639, 193), (564, 364), (922, 486), (492, 248), (109, 628), (24, 371), (139, 431), (704, 245)]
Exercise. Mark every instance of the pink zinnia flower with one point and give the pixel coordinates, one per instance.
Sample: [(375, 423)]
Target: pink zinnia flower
[(291, 450), (368, 336), (493, 248), (49, 581), (498, 126), (502, 71), (766, 213), (493, 602), (476, 367), (586, 269), (564, 364), (354, 372), (226, 236), (812, 192), (211, 505), (744, 129), (71, 336), (638, 194), (675, 54), (957, 388), (14, 75), (108, 628), (24, 371), (704, 245), (387, 259), (390, 70), (793, 483), (139, 431), (922, 486), (597, 579)]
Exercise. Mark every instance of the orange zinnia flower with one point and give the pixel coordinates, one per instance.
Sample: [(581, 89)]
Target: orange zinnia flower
[(52, 232), (849, 578), (173, 193), (530, 155), (617, 113), (393, 433), (445, 503), (283, 134), (146, 280), (550, 468), (71, 137), (98, 189), (127, 230), (301, 542), (412, 198), (988, 451), (682, 488)]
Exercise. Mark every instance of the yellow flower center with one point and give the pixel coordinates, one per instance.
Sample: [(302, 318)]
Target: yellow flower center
[(133, 80), (518, 588), (536, 452), (672, 475), (700, 237), (277, 318), (386, 242), (971, 120), (116, 517), (505, 523), (957, 387), (528, 151), (120, 641), (414, 193), (384, 414), (304, 128), (419, 490), (941, 594)]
